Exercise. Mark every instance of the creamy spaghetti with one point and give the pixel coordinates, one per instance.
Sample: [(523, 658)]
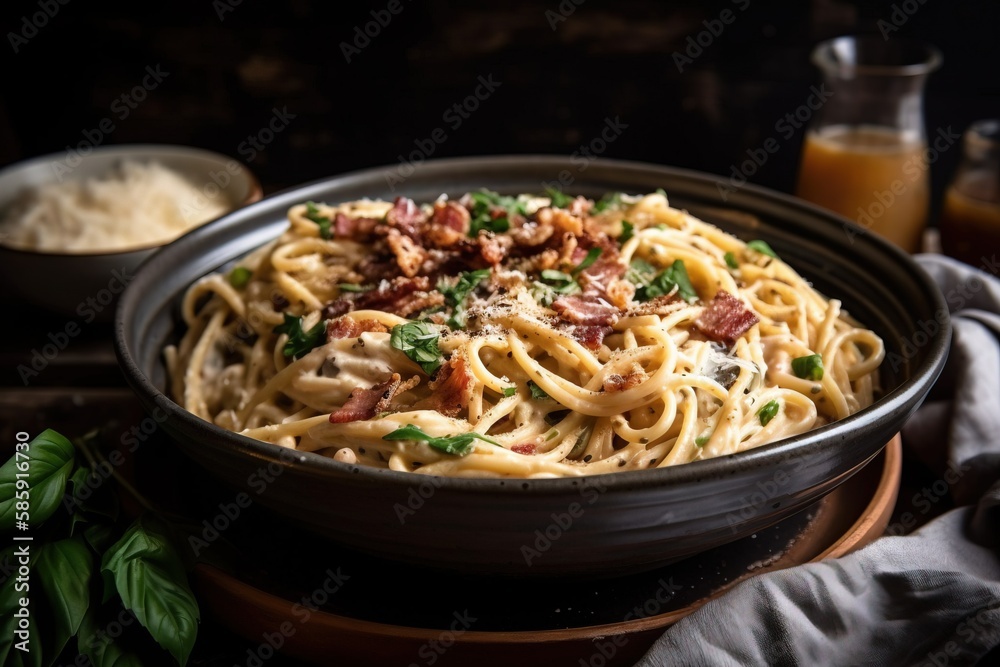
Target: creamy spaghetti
[(523, 337)]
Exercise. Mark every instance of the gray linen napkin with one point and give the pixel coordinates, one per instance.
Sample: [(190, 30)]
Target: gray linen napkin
[(928, 598)]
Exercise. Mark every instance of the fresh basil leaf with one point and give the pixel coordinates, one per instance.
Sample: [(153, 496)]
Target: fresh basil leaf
[(490, 224), (731, 262), (96, 644), (419, 342), (48, 463), (299, 342), (768, 412), (610, 201), (809, 367), (588, 261), (99, 536), (673, 277), (483, 204), (628, 231), (537, 392), (512, 205), (324, 222), (762, 247), (63, 569), (146, 571), (557, 198), (640, 272), (557, 278), (240, 276), (509, 391), (458, 445), (454, 295)]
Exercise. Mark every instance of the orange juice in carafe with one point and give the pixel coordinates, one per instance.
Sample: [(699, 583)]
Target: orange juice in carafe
[(875, 176), (863, 155), (970, 219), (970, 228)]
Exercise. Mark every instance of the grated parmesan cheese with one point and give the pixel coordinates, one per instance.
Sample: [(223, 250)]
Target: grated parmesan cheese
[(134, 205)]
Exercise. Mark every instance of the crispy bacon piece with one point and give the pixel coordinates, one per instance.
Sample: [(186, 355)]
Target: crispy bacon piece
[(451, 388), (562, 220), (418, 301), (616, 382), (527, 448), (358, 229), (406, 216), (364, 404), (378, 267), (580, 206), (725, 318), (348, 327), (591, 336), (387, 296), (409, 254), (587, 309), (491, 249), (606, 268), (396, 296), (451, 215), (531, 234)]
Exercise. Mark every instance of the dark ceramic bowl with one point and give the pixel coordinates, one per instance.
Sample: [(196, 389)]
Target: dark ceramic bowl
[(598, 525)]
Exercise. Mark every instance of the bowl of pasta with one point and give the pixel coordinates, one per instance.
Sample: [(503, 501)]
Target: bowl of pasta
[(474, 370)]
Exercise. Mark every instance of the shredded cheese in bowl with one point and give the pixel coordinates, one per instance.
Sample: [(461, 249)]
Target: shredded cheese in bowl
[(134, 205)]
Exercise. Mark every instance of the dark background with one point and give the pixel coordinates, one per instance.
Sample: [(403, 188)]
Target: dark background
[(231, 65)]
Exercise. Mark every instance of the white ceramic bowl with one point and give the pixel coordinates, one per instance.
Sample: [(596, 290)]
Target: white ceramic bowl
[(87, 284)]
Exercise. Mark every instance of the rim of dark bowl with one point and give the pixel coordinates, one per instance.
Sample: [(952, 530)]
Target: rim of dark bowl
[(911, 391)]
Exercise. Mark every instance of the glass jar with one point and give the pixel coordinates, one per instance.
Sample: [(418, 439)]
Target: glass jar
[(864, 150), (970, 218)]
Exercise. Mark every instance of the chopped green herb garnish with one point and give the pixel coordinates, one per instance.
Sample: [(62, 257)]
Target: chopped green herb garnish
[(762, 247), (509, 391), (558, 199), (809, 367), (702, 440), (556, 278), (490, 224), (483, 204), (351, 287), (299, 342), (768, 412), (324, 222), (240, 276), (459, 445), (640, 272), (611, 200), (628, 231), (673, 278), (731, 262), (537, 392), (419, 342), (454, 295), (591, 257), (661, 192)]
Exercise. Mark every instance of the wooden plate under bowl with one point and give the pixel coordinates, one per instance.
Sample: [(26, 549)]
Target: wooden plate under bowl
[(361, 611)]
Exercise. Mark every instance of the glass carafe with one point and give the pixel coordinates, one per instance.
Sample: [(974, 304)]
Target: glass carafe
[(865, 152), (970, 218)]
